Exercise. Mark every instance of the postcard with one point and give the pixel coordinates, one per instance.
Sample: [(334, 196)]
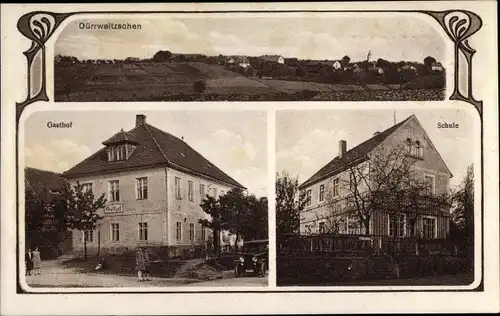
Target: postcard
[(249, 158)]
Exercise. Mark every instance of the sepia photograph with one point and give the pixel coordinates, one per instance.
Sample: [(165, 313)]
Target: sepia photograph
[(155, 199), (251, 57), (256, 158), (380, 197)]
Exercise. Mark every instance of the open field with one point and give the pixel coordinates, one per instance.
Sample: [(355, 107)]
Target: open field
[(174, 81)]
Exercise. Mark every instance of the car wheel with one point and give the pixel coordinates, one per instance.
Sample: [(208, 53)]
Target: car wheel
[(263, 270), (237, 271)]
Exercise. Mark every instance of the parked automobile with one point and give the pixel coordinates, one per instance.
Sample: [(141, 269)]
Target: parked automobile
[(253, 258)]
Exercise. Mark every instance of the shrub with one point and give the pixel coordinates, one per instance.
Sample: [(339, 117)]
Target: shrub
[(199, 86), (421, 266)]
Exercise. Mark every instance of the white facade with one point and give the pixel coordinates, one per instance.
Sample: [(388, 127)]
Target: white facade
[(155, 207)]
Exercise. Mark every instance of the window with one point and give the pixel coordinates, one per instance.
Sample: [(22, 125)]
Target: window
[(308, 197), (114, 190), (190, 191), (178, 231), (415, 149), (88, 236), (142, 188), (353, 225), (352, 181), (408, 145), (143, 231), (336, 187), (222, 192), (429, 227), (178, 188), (203, 233), (430, 184), (116, 153), (397, 225), (87, 187), (115, 232), (309, 228), (215, 192), (202, 192), (321, 228), (419, 149), (322, 193), (111, 154), (191, 231)]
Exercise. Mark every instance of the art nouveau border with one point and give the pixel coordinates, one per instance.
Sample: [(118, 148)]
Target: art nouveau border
[(39, 26)]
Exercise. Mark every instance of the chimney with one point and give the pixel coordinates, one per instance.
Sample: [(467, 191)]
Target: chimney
[(376, 133), (140, 119), (342, 148)]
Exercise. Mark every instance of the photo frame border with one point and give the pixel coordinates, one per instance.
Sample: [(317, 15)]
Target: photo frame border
[(459, 25)]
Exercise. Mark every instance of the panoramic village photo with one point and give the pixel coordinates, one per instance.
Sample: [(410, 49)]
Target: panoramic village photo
[(318, 57), (126, 199), (380, 197)]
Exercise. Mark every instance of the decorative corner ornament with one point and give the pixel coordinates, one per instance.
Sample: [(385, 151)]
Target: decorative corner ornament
[(459, 25), (37, 26)]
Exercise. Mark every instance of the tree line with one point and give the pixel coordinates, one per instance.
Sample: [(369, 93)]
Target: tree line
[(381, 71)]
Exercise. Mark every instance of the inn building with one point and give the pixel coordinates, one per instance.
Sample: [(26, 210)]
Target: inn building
[(154, 183), (323, 209)]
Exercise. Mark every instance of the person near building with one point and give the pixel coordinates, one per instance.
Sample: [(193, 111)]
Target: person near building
[(37, 260), (140, 264), (28, 260)]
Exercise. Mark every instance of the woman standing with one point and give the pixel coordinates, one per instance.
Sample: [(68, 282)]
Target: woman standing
[(36, 261), (140, 264), (147, 265)]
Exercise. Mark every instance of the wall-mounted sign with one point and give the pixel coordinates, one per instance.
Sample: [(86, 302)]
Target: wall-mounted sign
[(113, 208)]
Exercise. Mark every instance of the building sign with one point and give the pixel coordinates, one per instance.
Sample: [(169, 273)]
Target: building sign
[(113, 208), (365, 238)]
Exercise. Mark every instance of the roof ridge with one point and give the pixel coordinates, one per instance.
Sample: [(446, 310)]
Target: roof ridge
[(384, 131), (194, 150), (43, 170), (311, 179)]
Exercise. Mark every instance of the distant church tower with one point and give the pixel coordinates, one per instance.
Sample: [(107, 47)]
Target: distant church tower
[(369, 56)]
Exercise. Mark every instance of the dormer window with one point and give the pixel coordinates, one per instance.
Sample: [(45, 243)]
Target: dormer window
[(117, 153), (120, 146)]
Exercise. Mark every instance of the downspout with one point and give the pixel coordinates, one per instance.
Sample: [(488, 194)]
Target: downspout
[(167, 209)]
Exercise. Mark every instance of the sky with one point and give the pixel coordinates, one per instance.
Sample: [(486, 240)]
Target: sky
[(224, 138), (394, 37), (307, 140)]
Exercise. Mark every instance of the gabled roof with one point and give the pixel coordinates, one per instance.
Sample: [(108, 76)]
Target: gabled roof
[(121, 137), (42, 182), (154, 148), (356, 154)]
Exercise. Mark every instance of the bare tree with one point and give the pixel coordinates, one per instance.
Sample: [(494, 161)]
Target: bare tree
[(385, 180)]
